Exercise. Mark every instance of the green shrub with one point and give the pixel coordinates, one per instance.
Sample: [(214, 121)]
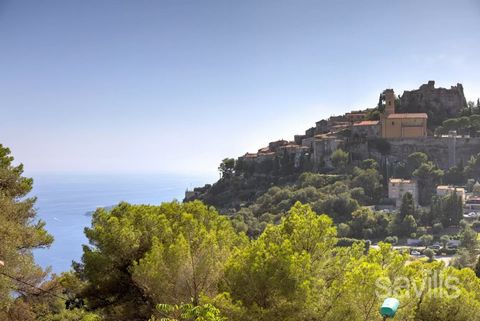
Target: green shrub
[(391, 239)]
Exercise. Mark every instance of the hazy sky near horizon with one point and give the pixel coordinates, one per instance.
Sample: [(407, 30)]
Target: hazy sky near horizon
[(175, 86)]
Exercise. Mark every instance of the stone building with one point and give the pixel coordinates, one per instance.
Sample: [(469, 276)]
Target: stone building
[(322, 127), (366, 129), (299, 138), (473, 204), (272, 146), (405, 133), (397, 187), (405, 125), (444, 190), (276, 149), (339, 127), (323, 147), (248, 158), (354, 117), (308, 142)]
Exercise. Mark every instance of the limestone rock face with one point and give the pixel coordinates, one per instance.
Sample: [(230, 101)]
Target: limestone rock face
[(438, 103)]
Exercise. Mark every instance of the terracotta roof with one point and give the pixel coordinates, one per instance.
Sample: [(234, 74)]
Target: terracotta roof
[(366, 123), (408, 115)]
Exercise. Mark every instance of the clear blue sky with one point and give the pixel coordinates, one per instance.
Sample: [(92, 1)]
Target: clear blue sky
[(169, 86)]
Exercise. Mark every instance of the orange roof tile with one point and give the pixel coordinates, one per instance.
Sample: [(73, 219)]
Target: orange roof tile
[(366, 123)]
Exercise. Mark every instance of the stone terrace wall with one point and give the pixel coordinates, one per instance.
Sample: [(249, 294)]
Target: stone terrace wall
[(437, 149)]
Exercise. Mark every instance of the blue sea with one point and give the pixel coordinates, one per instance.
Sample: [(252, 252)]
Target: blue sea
[(65, 199)]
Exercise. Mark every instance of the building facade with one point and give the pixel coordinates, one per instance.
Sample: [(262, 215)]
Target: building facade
[(444, 190), (398, 187), (366, 129), (354, 117), (395, 125), (473, 204)]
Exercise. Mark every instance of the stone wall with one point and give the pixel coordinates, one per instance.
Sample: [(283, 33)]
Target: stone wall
[(366, 131), (322, 149), (438, 103), (437, 148), (308, 142)]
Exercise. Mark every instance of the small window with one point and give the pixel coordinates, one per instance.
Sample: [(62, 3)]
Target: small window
[(389, 103), (393, 123)]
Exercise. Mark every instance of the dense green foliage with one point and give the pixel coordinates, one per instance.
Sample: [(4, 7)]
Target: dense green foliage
[(227, 167), (339, 159), (325, 193), (293, 271), (187, 312), (20, 233), (341, 195), (144, 255), (473, 167), (465, 125), (428, 177), (448, 209), (186, 262)]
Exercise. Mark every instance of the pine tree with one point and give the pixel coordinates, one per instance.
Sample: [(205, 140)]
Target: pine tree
[(21, 232)]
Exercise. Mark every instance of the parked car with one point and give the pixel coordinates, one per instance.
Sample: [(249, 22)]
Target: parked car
[(415, 253), (453, 244), (471, 215)]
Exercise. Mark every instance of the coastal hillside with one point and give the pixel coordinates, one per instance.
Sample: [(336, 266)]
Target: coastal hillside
[(115, 111), (418, 120)]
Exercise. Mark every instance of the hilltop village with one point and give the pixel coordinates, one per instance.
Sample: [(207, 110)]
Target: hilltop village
[(430, 129), (361, 134), (397, 127), (405, 172)]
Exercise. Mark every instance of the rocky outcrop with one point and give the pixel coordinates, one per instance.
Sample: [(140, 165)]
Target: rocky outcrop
[(438, 103)]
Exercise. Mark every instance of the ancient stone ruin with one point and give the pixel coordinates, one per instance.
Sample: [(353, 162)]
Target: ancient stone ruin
[(438, 103)]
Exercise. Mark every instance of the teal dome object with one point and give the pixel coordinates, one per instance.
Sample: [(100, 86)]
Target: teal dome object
[(389, 307)]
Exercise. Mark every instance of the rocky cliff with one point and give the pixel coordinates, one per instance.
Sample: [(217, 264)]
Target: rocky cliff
[(438, 103)]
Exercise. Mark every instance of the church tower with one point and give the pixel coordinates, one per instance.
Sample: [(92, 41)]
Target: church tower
[(389, 98), (389, 102)]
